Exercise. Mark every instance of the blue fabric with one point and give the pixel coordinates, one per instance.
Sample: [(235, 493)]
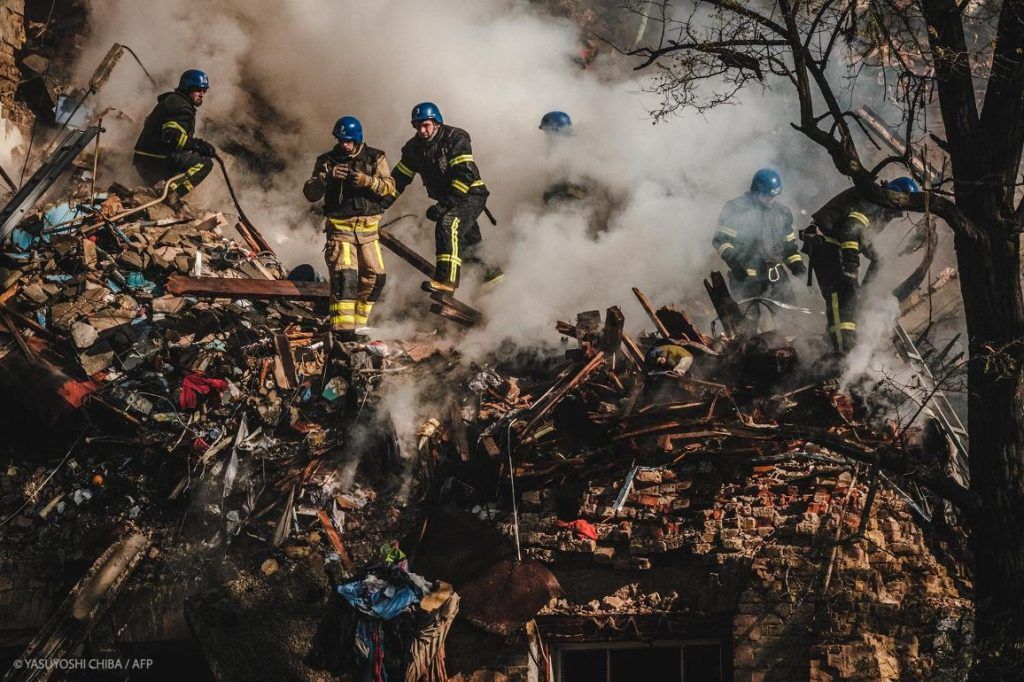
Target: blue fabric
[(383, 603)]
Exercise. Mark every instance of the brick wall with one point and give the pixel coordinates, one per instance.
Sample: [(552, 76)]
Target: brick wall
[(748, 554)]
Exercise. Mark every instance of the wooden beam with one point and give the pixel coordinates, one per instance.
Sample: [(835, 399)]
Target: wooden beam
[(335, 538), (611, 336), (18, 338), (246, 288), (557, 395), (646, 304), (284, 367), (398, 247)]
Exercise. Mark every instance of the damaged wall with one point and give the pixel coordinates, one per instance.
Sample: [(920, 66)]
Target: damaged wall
[(720, 551)]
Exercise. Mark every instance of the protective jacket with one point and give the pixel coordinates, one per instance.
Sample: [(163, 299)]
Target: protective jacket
[(169, 128), (445, 164), (842, 224), (756, 237), (352, 211), (835, 241)]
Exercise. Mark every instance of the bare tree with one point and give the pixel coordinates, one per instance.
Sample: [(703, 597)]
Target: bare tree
[(968, 56)]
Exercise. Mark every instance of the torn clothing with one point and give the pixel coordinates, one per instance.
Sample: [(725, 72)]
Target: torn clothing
[(456, 239), (352, 205), (446, 165), (754, 238), (426, 652), (357, 279), (195, 166)]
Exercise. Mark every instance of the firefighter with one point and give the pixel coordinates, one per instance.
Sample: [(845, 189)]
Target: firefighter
[(353, 180), (557, 126), (569, 191), (167, 145), (835, 240), (443, 157), (755, 238)]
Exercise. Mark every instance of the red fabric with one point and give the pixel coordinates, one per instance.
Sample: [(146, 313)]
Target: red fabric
[(580, 527), (197, 384)]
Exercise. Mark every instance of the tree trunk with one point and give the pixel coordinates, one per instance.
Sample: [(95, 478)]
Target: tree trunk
[(994, 308)]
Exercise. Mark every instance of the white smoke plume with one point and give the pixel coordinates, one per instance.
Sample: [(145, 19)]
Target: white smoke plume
[(495, 67)]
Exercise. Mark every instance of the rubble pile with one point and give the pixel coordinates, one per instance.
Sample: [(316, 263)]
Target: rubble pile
[(738, 489), (162, 398), (735, 489)]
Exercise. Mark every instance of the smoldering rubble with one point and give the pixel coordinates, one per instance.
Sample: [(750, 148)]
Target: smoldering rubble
[(200, 440), (186, 477)]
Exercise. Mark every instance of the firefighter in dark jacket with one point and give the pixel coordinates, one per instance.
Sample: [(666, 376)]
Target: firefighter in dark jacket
[(167, 145), (443, 157), (755, 238), (353, 179), (835, 240)]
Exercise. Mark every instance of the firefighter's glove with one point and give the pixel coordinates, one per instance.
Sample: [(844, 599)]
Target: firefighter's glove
[(434, 213), (203, 148), (341, 171), (738, 271), (361, 179), (798, 268)]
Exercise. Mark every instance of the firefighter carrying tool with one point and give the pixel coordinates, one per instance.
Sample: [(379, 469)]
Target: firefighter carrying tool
[(167, 145), (835, 240), (443, 157), (755, 238), (352, 179)]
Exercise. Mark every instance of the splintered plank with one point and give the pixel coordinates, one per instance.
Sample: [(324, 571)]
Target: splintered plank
[(450, 313), (335, 538), (445, 305), (729, 313), (611, 335), (449, 301), (284, 365), (556, 396), (678, 324)]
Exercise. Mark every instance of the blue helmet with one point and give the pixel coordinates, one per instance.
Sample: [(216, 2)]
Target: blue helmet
[(556, 122), (767, 181), (193, 79), (348, 128), (426, 111), (903, 184)]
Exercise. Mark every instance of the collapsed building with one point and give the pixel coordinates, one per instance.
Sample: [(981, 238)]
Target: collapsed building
[(188, 480)]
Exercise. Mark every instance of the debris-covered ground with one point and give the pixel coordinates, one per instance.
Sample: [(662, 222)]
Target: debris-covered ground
[(218, 471), (189, 478)]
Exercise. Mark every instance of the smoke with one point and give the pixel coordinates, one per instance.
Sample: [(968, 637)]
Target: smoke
[(282, 73), (495, 67)]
